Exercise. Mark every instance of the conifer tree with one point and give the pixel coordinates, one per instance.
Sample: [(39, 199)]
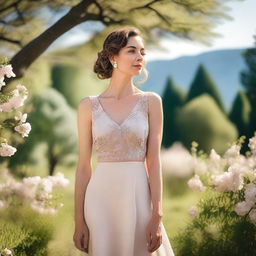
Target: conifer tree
[(173, 98), (203, 83), (240, 113)]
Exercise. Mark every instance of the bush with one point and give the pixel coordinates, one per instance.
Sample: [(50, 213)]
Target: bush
[(25, 232)]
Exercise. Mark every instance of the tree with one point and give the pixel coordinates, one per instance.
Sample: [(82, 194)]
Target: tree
[(248, 79), (173, 98), (192, 19), (203, 83), (52, 121), (240, 113), (208, 126)]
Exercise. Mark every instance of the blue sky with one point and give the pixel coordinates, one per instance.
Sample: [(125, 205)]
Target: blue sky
[(236, 33)]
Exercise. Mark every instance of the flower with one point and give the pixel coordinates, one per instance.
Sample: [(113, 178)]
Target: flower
[(21, 117), (233, 151), (243, 208), (196, 184), (231, 180), (7, 150), (252, 144), (252, 216), (250, 193), (59, 180), (5, 70), (193, 211), (7, 252), (23, 129)]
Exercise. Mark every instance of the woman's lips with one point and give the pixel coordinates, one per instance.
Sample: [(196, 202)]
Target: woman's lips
[(138, 66)]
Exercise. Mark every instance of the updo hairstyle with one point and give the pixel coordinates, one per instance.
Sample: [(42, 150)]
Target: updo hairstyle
[(114, 42)]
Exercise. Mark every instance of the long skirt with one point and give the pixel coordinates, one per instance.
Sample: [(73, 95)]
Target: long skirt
[(117, 209)]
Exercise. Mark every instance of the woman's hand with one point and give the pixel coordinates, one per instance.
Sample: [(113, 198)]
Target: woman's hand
[(154, 234), (81, 238)]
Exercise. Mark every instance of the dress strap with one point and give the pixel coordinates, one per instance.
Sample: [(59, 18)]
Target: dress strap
[(95, 106), (145, 103)]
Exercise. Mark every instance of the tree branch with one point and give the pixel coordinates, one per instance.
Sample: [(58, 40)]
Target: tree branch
[(9, 40), (10, 6), (148, 6)]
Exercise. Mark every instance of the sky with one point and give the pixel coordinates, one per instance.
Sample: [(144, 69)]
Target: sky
[(236, 33)]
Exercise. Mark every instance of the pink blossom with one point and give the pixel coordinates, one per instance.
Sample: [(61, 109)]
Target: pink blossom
[(252, 144), (6, 252), (243, 208), (196, 184), (7, 150), (6, 70), (252, 216), (250, 192), (193, 211), (23, 129)]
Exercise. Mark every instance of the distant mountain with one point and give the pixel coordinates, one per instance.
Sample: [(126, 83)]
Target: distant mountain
[(224, 67)]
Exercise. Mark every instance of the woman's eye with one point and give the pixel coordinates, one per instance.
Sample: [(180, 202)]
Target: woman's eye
[(143, 53)]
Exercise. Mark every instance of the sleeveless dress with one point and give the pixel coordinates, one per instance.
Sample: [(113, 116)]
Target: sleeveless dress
[(117, 205)]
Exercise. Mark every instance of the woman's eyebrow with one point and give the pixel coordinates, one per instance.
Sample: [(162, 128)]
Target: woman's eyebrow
[(131, 46)]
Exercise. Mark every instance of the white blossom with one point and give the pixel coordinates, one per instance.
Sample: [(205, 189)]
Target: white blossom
[(7, 150), (23, 129), (59, 180), (233, 151), (21, 117), (250, 192), (193, 211), (243, 208), (252, 144), (196, 184), (231, 180), (6, 252), (252, 216), (5, 70)]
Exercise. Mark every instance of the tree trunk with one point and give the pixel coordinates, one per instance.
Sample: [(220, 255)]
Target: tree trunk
[(52, 160), (30, 52)]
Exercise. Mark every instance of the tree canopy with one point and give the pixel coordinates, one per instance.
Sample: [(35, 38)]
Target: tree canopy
[(191, 19)]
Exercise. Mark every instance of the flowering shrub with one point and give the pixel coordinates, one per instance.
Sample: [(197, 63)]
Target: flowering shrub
[(8, 102), (224, 220), (36, 191)]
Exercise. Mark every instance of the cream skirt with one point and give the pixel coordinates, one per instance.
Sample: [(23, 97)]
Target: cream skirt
[(117, 209)]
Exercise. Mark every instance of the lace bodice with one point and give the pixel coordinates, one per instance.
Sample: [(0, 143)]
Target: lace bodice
[(120, 142)]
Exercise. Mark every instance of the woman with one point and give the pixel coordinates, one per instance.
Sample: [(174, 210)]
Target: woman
[(118, 208)]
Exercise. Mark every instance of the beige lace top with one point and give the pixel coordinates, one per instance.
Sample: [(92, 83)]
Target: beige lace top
[(120, 142)]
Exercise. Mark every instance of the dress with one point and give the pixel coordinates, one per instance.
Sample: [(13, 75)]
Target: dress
[(117, 205)]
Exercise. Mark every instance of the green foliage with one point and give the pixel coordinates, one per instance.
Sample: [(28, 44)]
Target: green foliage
[(25, 232), (201, 120), (203, 83), (172, 99), (248, 79), (217, 230), (53, 123), (240, 113), (72, 82)]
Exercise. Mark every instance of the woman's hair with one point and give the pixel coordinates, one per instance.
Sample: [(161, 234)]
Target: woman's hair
[(111, 46)]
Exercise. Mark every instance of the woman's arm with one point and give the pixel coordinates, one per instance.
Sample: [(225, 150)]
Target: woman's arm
[(84, 170), (153, 152)]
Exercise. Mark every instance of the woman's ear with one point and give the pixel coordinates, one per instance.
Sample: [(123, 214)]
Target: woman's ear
[(112, 59)]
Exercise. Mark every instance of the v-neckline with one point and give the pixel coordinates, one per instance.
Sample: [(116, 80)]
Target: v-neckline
[(127, 117)]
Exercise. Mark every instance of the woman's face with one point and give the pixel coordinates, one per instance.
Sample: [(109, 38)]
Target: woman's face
[(130, 59)]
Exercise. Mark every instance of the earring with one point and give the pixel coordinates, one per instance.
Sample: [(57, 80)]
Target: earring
[(115, 64)]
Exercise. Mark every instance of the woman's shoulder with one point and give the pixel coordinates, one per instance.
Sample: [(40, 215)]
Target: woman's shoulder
[(153, 96)]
